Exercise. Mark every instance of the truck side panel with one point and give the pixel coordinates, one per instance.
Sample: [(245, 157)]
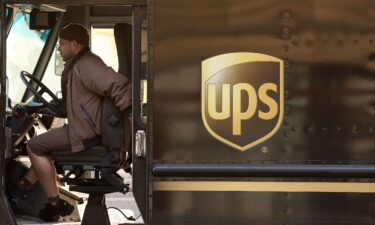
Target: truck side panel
[(329, 61)]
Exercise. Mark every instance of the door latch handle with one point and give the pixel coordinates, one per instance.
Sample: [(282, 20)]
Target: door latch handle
[(140, 144)]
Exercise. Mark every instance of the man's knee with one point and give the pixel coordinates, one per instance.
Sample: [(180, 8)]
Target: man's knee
[(29, 149), (33, 149)]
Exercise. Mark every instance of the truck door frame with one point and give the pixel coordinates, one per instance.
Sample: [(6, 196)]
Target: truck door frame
[(5, 211)]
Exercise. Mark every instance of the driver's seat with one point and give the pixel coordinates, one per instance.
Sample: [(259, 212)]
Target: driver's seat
[(105, 159)]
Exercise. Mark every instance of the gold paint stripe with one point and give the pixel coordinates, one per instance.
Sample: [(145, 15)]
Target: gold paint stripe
[(263, 186)]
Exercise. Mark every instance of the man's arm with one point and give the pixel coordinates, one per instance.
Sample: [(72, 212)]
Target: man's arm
[(103, 80)]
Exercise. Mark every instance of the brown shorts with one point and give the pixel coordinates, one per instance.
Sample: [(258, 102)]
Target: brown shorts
[(55, 139)]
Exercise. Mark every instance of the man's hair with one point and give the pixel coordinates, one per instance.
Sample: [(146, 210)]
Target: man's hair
[(75, 32)]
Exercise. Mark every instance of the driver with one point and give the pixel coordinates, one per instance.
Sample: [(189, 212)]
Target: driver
[(85, 80)]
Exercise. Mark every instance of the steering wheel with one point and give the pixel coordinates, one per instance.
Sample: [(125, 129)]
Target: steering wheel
[(57, 106)]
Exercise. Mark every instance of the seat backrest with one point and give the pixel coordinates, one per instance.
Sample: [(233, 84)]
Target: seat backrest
[(112, 125), (112, 120)]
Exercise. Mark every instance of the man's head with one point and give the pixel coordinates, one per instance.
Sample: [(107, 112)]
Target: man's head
[(73, 37)]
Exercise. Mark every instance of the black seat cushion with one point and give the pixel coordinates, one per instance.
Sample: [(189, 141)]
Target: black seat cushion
[(92, 155)]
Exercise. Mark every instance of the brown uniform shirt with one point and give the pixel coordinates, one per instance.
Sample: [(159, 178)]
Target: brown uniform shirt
[(87, 82)]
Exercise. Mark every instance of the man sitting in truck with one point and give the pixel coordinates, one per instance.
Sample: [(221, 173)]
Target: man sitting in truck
[(85, 80)]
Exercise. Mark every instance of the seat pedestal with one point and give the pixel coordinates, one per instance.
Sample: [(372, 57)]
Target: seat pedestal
[(96, 211)]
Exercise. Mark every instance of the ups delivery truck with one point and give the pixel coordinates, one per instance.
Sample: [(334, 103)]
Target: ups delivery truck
[(256, 112)]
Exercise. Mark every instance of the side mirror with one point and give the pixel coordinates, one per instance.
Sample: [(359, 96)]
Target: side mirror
[(42, 20)]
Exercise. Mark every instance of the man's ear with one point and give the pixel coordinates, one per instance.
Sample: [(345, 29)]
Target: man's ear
[(74, 44)]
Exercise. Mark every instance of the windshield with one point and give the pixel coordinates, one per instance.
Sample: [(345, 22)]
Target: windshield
[(24, 47)]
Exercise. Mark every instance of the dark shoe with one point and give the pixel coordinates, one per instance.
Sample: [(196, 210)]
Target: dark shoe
[(15, 195), (52, 213)]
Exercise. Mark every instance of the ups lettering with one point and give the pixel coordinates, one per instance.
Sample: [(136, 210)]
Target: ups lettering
[(239, 91)]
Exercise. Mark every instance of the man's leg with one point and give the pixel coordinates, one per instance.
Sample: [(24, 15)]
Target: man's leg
[(45, 173), (39, 149), (28, 180)]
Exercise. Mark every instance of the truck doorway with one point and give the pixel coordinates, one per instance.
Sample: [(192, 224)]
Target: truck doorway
[(106, 23)]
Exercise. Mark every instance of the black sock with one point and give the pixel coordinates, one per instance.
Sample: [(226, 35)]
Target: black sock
[(54, 201), (24, 184)]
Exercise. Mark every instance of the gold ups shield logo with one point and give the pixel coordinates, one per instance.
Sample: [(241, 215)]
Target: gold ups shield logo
[(242, 98)]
